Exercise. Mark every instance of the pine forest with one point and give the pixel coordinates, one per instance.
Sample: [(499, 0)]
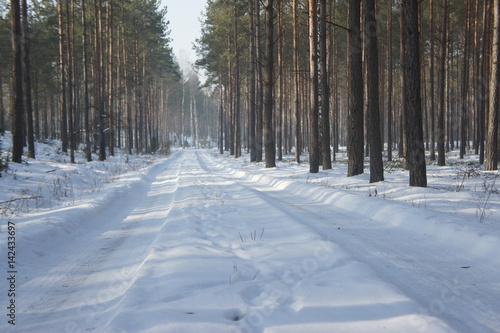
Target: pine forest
[(390, 81)]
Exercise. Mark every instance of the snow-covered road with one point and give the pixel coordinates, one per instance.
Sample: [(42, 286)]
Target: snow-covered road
[(196, 245)]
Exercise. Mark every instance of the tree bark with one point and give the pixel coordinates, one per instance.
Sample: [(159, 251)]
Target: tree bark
[(355, 133), (269, 143), (28, 104), (259, 130), (325, 89), (86, 101), (111, 77), (99, 79), (483, 80), (71, 101), (296, 67), (237, 125), (314, 144), (432, 94), (389, 81), (412, 94), (373, 107), (62, 66), (281, 84), (492, 135), (252, 81), (17, 105), (440, 130), (465, 83)]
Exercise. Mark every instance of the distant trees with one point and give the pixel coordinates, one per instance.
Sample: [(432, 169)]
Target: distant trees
[(95, 72), (288, 77)]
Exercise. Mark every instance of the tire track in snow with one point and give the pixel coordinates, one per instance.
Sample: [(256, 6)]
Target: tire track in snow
[(465, 302), (87, 282)]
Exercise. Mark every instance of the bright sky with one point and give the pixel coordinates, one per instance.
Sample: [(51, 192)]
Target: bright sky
[(184, 17)]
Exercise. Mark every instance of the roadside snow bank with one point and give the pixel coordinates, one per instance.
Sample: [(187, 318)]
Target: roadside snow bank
[(478, 240)]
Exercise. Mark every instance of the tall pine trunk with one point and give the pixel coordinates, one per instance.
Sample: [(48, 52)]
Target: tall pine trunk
[(252, 81), (269, 143), (355, 131), (440, 130), (465, 83), (86, 101), (28, 104), (373, 107), (389, 81), (412, 94), (237, 95), (296, 67), (62, 67), (314, 144), (71, 99), (325, 89), (432, 99), (17, 107), (259, 130), (492, 135), (111, 77)]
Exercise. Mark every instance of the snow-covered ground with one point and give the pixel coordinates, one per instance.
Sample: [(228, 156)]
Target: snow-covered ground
[(199, 242)]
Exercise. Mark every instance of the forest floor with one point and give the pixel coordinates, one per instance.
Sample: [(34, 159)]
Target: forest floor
[(199, 242)]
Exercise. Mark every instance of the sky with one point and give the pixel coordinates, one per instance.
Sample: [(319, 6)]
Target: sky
[(184, 17)]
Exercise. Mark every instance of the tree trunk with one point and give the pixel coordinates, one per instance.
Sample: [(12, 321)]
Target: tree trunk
[(111, 78), (355, 129), (28, 104), (99, 78), (17, 107), (314, 144), (492, 135), (373, 108), (71, 101), (296, 67), (325, 89), (260, 87), (281, 86), (86, 101), (412, 94), (62, 66), (252, 81), (237, 125), (269, 144), (465, 83), (221, 117), (432, 95), (440, 130), (483, 79), (389, 81)]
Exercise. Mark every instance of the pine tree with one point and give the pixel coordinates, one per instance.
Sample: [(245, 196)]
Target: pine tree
[(269, 142), (412, 93), (492, 137), (17, 108), (355, 131), (373, 107)]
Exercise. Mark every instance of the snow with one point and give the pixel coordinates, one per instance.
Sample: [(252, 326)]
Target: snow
[(199, 242)]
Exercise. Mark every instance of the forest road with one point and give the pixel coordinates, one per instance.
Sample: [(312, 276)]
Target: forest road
[(201, 246)]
